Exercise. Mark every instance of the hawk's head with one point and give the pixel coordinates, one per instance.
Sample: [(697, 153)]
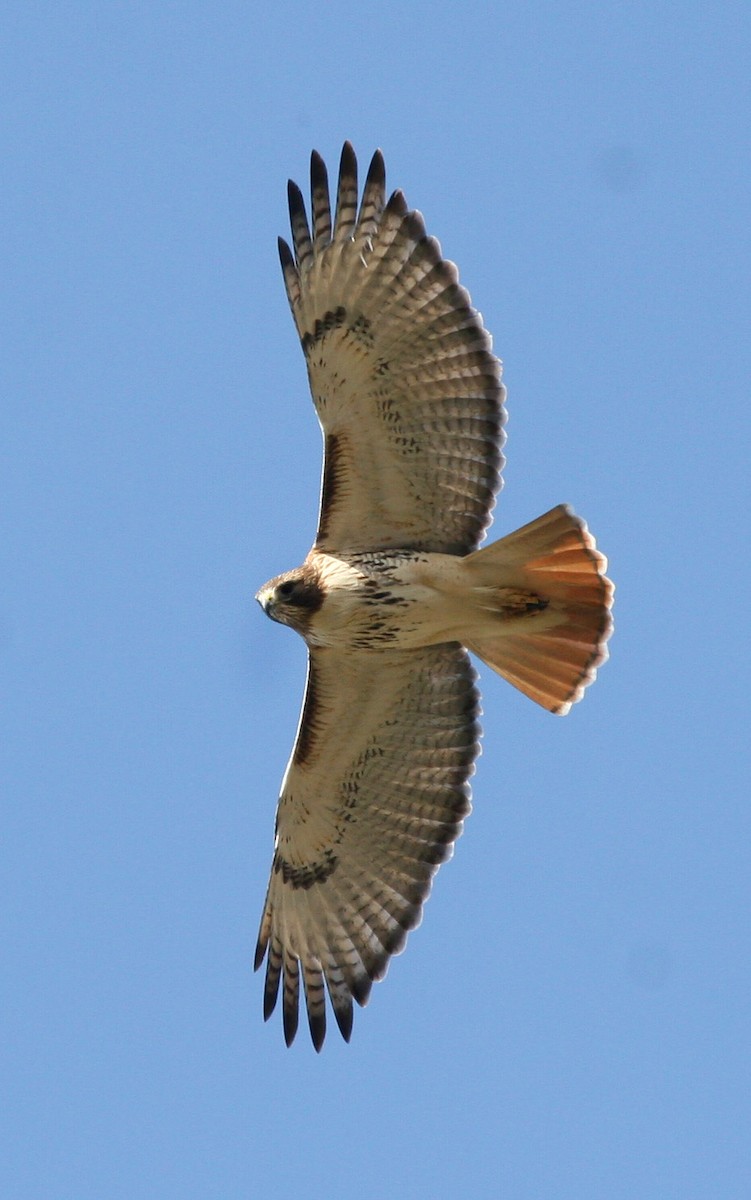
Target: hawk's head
[(292, 598)]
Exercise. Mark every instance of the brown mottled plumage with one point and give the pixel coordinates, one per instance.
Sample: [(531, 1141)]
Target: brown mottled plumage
[(394, 592)]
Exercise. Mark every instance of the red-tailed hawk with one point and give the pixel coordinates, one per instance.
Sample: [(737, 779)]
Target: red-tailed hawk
[(395, 591)]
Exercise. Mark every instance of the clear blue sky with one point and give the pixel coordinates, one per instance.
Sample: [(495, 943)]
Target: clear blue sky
[(572, 1018)]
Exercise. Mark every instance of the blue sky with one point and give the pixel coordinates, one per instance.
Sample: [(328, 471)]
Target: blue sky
[(572, 1017)]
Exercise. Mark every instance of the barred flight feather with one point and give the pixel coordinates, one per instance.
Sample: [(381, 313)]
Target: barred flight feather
[(346, 195)]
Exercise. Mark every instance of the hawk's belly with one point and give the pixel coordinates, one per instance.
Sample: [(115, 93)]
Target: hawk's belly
[(378, 602)]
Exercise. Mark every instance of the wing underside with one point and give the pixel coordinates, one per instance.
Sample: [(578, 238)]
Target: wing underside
[(406, 386), (374, 797)]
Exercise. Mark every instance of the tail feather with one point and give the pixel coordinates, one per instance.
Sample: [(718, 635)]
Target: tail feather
[(552, 654)]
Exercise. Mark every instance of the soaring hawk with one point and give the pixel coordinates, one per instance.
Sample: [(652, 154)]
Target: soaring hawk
[(395, 592)]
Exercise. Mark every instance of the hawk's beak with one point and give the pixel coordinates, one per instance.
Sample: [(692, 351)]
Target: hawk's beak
[(266, 599)]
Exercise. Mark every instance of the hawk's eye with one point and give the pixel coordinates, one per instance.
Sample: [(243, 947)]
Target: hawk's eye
[(286, 589)]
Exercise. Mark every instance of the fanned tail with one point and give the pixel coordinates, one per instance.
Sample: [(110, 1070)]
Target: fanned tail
[(551, 648)]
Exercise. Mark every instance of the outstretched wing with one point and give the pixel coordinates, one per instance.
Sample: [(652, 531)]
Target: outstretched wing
[(407, 391), (373, 798)]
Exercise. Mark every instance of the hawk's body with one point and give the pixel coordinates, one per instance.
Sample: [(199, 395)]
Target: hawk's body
[(410, 401)]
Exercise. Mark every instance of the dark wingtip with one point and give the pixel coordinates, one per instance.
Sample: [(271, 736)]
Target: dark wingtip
[(269, 1003), (317, 168), (377, 169), (398, 203), (318, 1031), (344, 1019), (290, 1021), (286, 257), (319, 177), (348, 159), (360, 989), (294, 196)]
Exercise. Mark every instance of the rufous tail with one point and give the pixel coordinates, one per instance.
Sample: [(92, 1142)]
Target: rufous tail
[(552, 648)]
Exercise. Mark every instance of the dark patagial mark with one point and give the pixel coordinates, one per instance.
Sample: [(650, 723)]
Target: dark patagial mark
[(311, 718), (333, 473)]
